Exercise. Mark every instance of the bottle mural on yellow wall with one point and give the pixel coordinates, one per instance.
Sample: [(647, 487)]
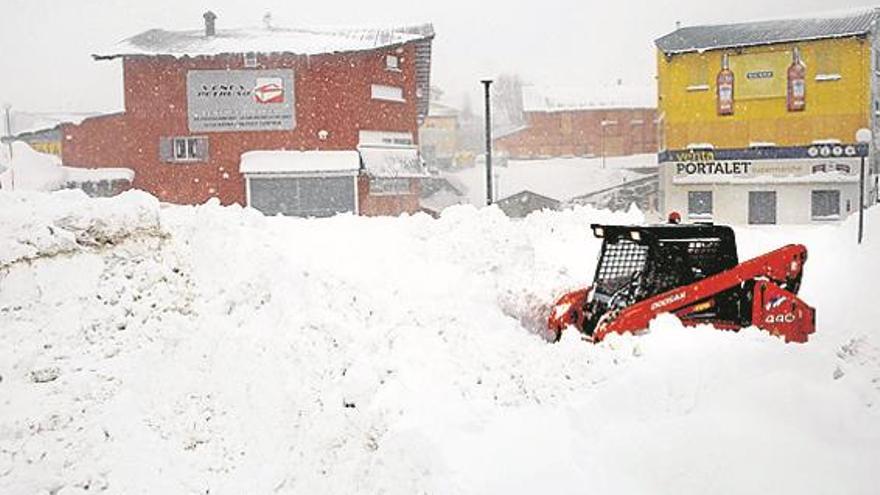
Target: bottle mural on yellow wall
[(797, 83), (724, 87)]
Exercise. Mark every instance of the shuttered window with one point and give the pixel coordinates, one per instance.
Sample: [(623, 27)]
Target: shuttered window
[(762, 207), (825, 205), (303, 196)]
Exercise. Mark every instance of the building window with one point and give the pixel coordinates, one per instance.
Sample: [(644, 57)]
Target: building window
[(827, 64), (380, 186), (183, 149), (387, 93), (392, 62), (828, 167), (700, 205), (826, 205), (250, 59), (698, 76)]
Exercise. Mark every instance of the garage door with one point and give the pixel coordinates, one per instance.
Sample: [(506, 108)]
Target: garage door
[(303, 196)]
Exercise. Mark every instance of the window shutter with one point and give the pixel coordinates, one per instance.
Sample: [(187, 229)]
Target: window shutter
[(202, 149), (165, 152)]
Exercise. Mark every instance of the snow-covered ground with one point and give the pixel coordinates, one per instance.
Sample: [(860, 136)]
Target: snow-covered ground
[(157, 349), (557, 178)]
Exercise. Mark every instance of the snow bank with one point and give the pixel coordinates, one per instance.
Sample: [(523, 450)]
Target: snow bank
[(35, 225), (30, 170), (234, 353)]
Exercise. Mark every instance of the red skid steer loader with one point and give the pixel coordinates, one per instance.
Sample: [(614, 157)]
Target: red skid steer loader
[(691, 271)]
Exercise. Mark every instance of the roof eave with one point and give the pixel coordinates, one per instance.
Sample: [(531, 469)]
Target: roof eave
[(856, 34)]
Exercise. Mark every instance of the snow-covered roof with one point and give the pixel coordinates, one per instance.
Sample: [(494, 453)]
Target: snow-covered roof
[(829, 25), (567, 98), (300, 41), (392, 161), (29, 122), (437, 109), (300, 162)]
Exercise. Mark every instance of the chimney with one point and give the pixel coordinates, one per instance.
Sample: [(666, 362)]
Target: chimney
[(209, 23)]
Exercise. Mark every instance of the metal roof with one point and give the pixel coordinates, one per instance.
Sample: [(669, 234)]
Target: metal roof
[(832, 25), (300, 41)]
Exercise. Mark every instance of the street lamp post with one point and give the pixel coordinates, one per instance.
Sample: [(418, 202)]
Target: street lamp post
[(863, 137), (487, 95)]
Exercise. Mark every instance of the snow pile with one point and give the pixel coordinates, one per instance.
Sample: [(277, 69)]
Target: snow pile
[(36, 225), (31, 170), (214, 350)]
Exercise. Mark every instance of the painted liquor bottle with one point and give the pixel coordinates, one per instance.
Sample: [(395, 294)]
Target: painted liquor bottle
[(724, 87), (797, 83)]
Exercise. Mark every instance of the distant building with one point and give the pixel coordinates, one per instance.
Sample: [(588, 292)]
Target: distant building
[(608, 121), (40, 130), (197, 101), (519, 205), (438, 135), (759, 119)]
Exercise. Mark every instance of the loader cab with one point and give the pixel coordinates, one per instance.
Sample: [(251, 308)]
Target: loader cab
[(638, 262)]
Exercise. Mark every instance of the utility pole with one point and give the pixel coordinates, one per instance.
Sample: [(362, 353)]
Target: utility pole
[(486, 84), (7, 109)]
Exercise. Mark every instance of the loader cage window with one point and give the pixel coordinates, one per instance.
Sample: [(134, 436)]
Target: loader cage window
[(619, 263), (693, 259)]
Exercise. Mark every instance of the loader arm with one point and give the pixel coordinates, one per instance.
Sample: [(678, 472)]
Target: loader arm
[(769, 282)]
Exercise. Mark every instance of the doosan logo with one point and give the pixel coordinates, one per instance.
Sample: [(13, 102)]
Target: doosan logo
[(269, 90), (668, 300)]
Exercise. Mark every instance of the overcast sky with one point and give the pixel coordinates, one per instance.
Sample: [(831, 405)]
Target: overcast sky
[(45, 44)]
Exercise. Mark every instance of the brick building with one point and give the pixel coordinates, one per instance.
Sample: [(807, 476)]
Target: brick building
[(196, 101), (609, 121)]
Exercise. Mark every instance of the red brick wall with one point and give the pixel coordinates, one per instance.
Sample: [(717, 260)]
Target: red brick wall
[(97, 142), (332, 93), (579, 133), (378, 205)]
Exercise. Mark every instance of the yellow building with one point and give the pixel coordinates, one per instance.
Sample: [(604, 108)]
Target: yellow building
[(759, 120), (438, 136)]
